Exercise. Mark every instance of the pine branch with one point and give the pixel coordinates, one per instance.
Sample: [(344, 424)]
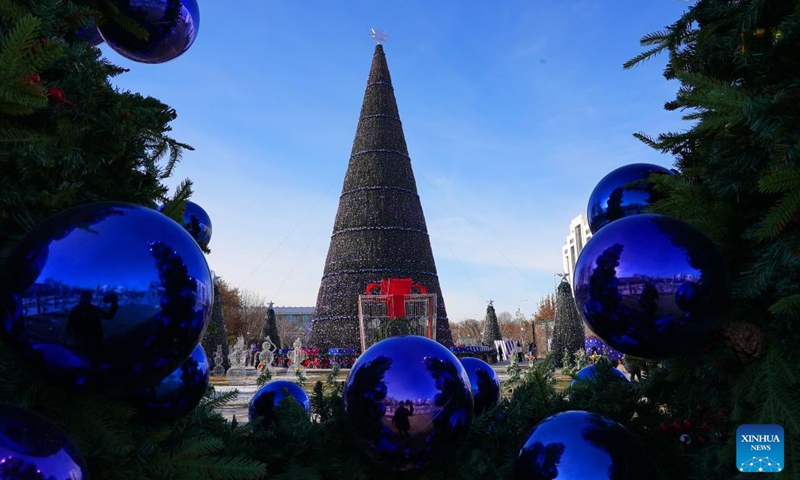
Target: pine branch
[(779, 216), (788, 306)]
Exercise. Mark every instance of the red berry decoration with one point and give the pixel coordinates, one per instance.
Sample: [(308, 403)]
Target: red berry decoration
[(35, 79), (677, 425), (702, 439), (664, 427), (687, 424), (56, 94)]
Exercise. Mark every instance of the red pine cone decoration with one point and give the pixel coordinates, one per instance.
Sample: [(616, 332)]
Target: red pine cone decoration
[(745, 339)]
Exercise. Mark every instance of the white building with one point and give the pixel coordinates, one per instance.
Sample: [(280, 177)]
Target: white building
[(579, 234)]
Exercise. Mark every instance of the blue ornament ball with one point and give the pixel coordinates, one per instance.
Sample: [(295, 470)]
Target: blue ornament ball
[(611, 199), (484, 382), (270, 396), (590, 373), (197, 222), (33, 447), (408, 401), (631, 285), (105, 296), (90, 35), (578, 445), (172, 26), (178, 393)]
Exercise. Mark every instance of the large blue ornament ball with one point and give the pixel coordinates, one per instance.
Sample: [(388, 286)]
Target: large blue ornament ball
[(408, 401), (171, 25), (484, 382), (105, 296), (270, 396), (33, 447), (579, 445), (590, 373), (611, 199), (651, 286), (197, 222), (178, 393)]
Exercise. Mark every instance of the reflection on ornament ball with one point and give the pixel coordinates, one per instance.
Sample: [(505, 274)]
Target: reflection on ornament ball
[(178, 393), (90, 35), (484, 382), (578, 445), (197, 222), (611, 199), (631, 286), (171, 26), (590, 373), (270, 396), (107, 296), (32, 446), (408, 401)]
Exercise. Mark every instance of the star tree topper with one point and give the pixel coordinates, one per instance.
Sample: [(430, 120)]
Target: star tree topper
[(378, 35)]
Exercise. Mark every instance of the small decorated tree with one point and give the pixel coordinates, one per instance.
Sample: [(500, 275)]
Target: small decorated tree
[(568, 332)]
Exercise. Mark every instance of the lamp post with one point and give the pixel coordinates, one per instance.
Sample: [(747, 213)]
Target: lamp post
[(523, 323)]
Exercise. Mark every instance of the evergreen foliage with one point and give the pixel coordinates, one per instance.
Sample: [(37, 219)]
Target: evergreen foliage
[(569, 335), (68, 137), (217, 333), (380, 230), (491, 328), (270, 328), (738, 182)]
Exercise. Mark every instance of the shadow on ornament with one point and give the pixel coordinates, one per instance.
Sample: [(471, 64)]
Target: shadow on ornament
[(579, 445), (177, 394), (614, 198), (33, 447), (408, 401), (121, 298), (484, 382), (631, 286), (171, 26)]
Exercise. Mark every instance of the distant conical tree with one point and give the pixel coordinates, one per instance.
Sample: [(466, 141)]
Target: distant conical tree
[(491, 329), (216, 333), (270, 328), (380, 230), (568, 331)]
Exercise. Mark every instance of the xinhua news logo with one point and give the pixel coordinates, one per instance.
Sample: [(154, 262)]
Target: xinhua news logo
[(759, 448)]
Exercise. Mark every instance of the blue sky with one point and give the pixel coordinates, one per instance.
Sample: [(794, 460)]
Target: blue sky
[(512, 112)]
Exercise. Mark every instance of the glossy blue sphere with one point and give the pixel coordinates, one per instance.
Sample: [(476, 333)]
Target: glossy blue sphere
[(105, 296), (612, 199), (484, 382), (172, 26), (631, 286), (579, 445), (178, 393), (33, 447), (270, 396), (408, 401), (197, 222), (590, 373)]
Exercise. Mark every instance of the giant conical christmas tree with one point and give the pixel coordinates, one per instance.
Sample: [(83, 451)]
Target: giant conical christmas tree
[(379, 231)]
